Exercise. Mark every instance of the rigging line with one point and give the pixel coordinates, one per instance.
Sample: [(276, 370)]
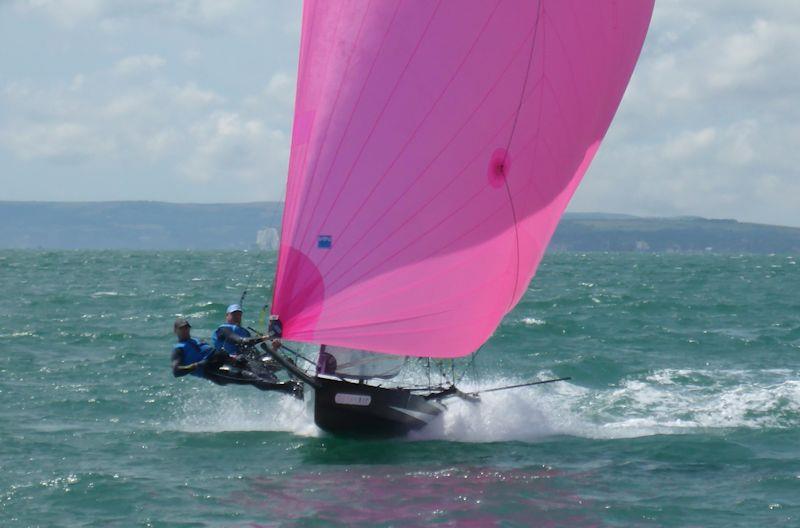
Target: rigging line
[(442, 374), (508, 145), (471, 364), (298, 355), (429, 370), (270, 294), (247, 283), (251, 280), (529, 384)]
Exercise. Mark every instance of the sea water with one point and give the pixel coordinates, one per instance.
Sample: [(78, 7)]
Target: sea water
[(683, 408)]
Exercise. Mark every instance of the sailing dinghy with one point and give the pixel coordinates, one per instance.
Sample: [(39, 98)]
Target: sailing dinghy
[(435, 146)]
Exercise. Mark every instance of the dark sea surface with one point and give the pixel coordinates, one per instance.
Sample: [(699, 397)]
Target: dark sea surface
[(683, 410)]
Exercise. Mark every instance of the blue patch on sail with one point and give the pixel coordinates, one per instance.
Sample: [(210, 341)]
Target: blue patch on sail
[(324, 241)]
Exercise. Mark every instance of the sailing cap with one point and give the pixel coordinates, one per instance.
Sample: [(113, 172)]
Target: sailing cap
[(233, 308), (180, 322)]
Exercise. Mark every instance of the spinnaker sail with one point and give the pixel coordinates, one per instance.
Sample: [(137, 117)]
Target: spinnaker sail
[(435, 146)]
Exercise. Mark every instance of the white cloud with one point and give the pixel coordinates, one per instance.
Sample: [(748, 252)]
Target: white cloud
[(738, 142), (56, 141), (188, 130), (708, 126), (281, 88), (136, 64), (66, 13), (231, 148), (688, 143), (191, 56), (202, 14), (200, 11), (99, 121), (191, 95)]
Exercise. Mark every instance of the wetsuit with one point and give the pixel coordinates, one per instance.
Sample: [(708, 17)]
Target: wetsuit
[(232, 338), (191, 351), (210, 363)]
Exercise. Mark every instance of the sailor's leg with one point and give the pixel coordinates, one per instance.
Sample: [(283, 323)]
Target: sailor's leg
[(217, 359), (245, 377), (289, 387), (217, 377), (262, 372)]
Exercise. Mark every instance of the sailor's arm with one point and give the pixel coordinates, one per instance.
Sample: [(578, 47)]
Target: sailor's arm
[(179, 370), (228, 335)]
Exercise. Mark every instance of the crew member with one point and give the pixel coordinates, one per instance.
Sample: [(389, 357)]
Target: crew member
[(190, 356), (231, 336)]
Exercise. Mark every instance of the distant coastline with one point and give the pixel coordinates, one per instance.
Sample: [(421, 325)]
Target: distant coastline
[(169, 226)]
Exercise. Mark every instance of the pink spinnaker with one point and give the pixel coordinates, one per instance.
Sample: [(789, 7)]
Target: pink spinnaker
[(435, 147)]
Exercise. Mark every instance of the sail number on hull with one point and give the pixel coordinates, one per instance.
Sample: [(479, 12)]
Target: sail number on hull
[(361, 400)]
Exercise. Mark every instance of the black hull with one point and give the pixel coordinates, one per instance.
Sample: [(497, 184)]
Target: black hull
[(357, 409)]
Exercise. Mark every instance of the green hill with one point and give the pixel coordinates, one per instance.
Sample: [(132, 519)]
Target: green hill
[(165, 226), (686, 234)]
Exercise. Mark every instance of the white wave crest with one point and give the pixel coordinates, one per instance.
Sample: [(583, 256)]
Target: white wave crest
[(668, 401), (221, 409), (665, 402)]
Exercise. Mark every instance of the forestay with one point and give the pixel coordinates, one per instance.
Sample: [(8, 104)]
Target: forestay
[(349, 363)]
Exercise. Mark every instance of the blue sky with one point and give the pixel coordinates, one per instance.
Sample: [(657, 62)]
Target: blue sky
[(191, 101)]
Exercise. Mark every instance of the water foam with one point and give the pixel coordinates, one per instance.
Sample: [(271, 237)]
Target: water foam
[(225, 409), (667, 401)]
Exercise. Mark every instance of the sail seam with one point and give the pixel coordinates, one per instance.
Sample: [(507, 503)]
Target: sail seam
[(372, 130), (287, 212), (508, 145), (451, 182), (308, 184), (409, 141), (321, 192), (450, 215)]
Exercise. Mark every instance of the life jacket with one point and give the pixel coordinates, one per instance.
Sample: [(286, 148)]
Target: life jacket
[(229, 347), (194, 351)]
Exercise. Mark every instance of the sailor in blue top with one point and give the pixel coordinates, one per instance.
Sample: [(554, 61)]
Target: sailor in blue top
[(231, 336), (190, 356)]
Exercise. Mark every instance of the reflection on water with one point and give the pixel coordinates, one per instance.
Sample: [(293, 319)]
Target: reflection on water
[(388, 495)]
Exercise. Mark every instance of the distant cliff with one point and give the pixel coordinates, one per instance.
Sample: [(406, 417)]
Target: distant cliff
[(134, 225), (166, 226), (597, 232)]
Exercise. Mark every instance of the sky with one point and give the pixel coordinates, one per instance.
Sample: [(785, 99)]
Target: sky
[(192, 100)]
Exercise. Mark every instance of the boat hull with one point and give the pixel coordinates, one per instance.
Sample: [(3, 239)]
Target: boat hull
[(357, 409)]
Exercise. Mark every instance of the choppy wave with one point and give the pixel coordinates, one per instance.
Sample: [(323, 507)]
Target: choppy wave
[(678, 356)]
